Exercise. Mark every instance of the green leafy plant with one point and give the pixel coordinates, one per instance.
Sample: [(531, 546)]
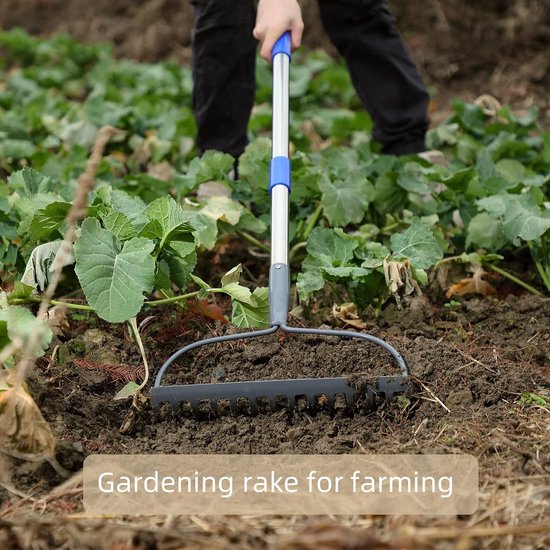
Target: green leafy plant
[(362, 223)]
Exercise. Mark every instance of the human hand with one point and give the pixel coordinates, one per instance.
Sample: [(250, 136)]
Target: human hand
[(275, 17)]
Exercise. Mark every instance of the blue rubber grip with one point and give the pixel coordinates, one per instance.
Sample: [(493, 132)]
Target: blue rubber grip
[(279, 172), (282, 45)]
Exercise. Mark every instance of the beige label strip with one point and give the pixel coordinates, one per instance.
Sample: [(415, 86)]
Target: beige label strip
[(280, 484)]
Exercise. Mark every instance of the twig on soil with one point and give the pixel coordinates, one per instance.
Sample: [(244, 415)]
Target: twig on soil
[(52, 357), (523, 452), (70, 487), (434, 399), (200, 523), (482, 532), (440, 434), (473, 360), (14, 491)]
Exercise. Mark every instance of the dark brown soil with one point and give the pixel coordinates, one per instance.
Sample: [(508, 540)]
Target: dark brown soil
[(476, 361), (470, 368)]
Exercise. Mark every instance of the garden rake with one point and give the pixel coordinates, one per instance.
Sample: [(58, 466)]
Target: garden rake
[(289, 391)]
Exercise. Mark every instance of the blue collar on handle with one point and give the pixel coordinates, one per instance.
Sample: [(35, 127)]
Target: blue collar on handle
[(283, 45)]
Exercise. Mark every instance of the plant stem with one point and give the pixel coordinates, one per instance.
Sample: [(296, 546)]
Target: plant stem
[(391, 227), (541, 257), (70, 305), (312, 221), (172, 300), (252, 240), (519, 282), (294, 249), (37, 299), (543, 275)]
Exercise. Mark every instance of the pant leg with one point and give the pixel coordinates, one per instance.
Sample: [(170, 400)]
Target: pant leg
[(382, 71), (224, 55)]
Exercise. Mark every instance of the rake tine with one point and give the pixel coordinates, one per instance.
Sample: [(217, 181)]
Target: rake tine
[(253, 405)]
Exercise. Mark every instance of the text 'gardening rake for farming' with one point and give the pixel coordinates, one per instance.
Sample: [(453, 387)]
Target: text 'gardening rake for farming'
[(273, 391)]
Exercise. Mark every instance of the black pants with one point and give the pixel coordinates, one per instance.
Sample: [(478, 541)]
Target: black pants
[(364, 31)]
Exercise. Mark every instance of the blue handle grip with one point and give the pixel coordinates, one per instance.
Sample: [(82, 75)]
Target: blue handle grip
[(282, 45)]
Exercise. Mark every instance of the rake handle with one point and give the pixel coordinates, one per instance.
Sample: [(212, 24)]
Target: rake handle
[(279, 184)]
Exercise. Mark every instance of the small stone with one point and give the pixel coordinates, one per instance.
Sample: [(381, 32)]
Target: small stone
[(218, 374)]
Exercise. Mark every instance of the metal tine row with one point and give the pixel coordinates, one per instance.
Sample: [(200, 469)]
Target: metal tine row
[(202, 406)]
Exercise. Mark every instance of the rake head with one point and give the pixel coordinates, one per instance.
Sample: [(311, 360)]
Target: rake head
[(269, 395), (274, 394)]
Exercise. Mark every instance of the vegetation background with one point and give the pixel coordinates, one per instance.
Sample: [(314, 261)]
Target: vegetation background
[(465, 48)]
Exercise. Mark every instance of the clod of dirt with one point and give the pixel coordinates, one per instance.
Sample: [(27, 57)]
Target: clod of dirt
[(259, 354), (460, 398), (70, 454)]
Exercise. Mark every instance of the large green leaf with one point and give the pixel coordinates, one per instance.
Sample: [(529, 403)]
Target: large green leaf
[(48, 219), (16, 148), (119, 224), (205, 218), (224, 209), (524, 219), (181, 258), (412, 179), (495, 205), (254, 313), (18, 323), (233, 275), (167, 222), (309, 281), (29, 181), (521, 216), (331, 256), (486, 232), (113, 276), (511, 170), (345, 201), (334, 250), (213, 165), (418, 244), (132, 207), (344, 272), (239, 293), (389, 196), (207, 234)]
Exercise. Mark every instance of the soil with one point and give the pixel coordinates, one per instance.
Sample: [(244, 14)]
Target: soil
[(477, 361), (470, 367)]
